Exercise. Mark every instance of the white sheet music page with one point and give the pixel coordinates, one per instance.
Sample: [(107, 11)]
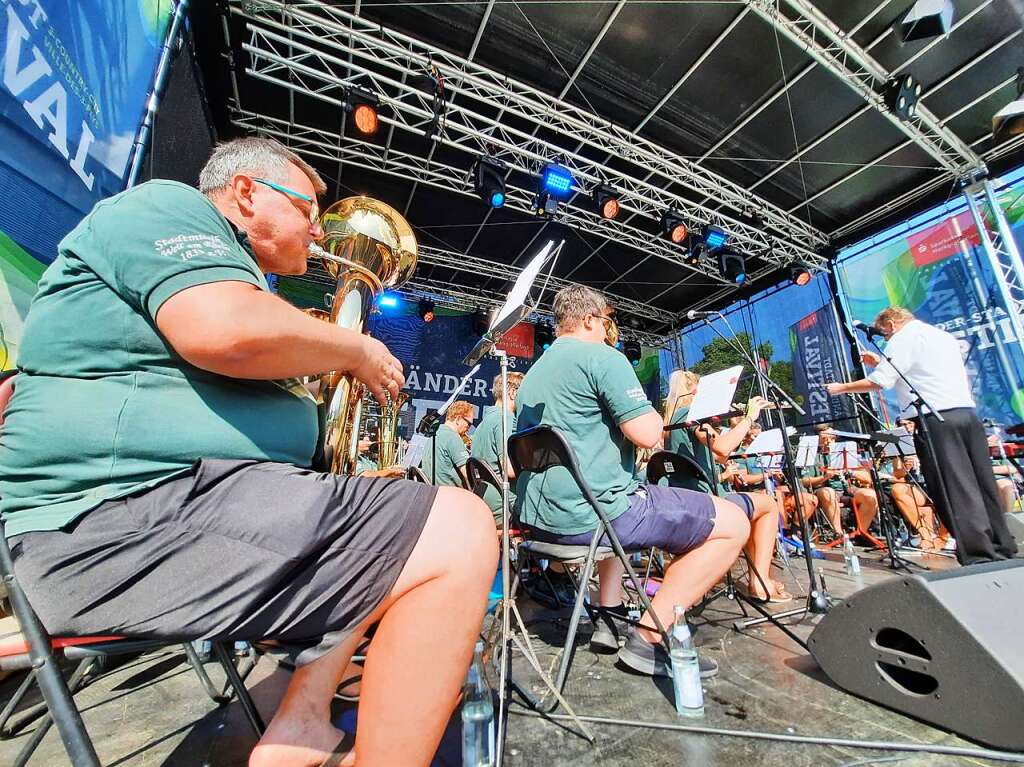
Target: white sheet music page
[(844, 457), (521, 289), (766, 442), (807, 451), (714, 393), (414, 453)]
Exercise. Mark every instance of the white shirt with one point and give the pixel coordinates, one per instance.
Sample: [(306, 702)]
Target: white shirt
[(932, 360)]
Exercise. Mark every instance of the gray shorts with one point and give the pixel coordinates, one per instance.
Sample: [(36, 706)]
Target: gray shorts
[(239, 550), (672, 519)]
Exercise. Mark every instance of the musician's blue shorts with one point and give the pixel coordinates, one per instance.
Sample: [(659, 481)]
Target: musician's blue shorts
[(669, 518)]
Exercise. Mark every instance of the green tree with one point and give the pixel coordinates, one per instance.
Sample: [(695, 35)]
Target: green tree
[(720, 354)]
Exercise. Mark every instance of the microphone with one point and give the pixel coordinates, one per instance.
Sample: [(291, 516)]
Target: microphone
[(693, 314), (870, 330)]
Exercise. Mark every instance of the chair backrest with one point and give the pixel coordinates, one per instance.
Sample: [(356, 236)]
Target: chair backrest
[(415, 473), (540, 448), (674, 466), (480, 475)]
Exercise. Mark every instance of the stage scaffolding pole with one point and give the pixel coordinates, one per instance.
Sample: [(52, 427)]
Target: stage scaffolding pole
[(1000, 249)]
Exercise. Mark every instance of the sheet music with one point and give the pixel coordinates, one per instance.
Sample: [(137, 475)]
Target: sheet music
[(414, 453), (807, 451), (905, 447), (844, 457), (521, 289), (715, 393), (766, 442)]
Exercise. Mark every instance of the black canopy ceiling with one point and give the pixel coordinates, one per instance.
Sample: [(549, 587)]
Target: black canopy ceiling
[(712, 82)]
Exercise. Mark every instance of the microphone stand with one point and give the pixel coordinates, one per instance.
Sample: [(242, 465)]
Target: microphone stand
[(818, 599), (920, 403)]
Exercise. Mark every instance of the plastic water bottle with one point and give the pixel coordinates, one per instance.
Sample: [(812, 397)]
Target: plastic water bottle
[(477, 715), (850, 557), (685, 667)]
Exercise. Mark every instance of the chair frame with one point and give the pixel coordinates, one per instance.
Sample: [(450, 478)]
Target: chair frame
[(536, 450)]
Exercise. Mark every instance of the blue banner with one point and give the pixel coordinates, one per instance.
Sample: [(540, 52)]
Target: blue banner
[(815, 344)]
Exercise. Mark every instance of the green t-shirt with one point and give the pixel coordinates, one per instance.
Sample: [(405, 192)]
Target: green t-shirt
[(487, 448), (104, 407), (365, 463), (451, 455), (834, 481), (585, 390), (752, 465), (685, 442)]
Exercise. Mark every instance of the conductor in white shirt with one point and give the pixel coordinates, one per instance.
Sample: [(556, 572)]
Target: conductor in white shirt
[(931, 359)]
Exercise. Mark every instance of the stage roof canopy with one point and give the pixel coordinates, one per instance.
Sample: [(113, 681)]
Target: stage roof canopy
[(766, 119)]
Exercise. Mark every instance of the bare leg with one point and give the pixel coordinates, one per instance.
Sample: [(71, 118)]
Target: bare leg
[(1005, 487), (865, 507), (764, 527), (828, 501), (429, 621), (689, 576), (609, 576), (914, 507)]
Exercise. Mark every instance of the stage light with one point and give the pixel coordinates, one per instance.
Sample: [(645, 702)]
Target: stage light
[(674, 227), (606, 201), (544, 335), (732, 266), (901, 94), (489, 181), (924, 19), (556, 181), (799, 274), (1009, 121), (388, 300), (714, 237), (633, 351), (363, 107), (426, 310)]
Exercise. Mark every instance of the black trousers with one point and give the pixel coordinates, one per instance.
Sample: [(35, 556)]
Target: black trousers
[(971, 510)]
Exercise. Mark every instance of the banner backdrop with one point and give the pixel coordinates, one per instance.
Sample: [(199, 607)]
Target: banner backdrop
[(937, 272), (74, 79), (815, 345)]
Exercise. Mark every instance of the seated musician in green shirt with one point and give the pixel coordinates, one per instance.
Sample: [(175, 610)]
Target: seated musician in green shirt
[(487, 439), (449, 447), (752, 478), (587, 390), (828, 484), (704, 442)]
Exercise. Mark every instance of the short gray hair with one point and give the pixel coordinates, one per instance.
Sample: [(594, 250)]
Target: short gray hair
[(573, 303), (262, 157)]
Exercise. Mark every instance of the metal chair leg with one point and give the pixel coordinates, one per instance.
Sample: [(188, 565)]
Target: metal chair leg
[(239, 687), (12, 704), (204, 679), (73, 684)]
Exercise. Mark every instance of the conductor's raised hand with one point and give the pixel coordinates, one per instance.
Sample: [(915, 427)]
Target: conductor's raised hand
[(869, 358), (379, 370)]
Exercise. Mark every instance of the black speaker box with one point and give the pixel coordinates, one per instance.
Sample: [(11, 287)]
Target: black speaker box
[(946, 648)]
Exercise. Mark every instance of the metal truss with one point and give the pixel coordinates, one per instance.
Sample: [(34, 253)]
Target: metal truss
[(833, 49), (325, 145), (1000, 249), (310, 54)]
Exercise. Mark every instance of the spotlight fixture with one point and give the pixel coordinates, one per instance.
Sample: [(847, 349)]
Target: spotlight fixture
[(714, 237), (901, 94), (732, 266), (556, 181), (544, 335), (388, 300), (924, 19), (489, 180), (633, 351), (362, 105), (799, 274), (426, 310), (1009, 121), (674, 227), (606, 201)]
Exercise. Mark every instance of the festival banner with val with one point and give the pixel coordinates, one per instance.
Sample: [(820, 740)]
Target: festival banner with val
[(815, 345), (74, 81), (939, 273)]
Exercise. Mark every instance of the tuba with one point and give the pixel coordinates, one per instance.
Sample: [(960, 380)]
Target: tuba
[(368, 247)]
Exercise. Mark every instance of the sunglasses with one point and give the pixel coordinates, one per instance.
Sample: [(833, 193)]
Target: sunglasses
[(314, 209)]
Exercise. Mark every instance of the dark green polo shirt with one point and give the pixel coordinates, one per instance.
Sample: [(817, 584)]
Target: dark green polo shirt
[(104, 407), (451, 455), (487, 448)]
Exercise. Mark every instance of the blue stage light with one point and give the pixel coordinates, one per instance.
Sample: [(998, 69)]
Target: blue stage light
[(497, 199), (388, 300), (557, 181), (714, 237)]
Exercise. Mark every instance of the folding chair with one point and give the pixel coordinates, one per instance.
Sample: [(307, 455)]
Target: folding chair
[(541, 449), (416, 475), (480, 475)]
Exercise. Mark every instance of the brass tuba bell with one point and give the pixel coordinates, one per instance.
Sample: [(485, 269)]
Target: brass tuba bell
[(368, 247)]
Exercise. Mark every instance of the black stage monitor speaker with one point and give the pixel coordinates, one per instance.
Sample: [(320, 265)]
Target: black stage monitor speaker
[(946, 648)]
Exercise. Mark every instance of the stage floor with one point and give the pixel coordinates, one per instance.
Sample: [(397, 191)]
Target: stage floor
[(152, 710)]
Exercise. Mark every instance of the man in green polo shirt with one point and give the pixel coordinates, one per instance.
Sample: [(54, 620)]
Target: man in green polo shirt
[(449, 447), (487, 439), (154, 462), (583, 387)]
